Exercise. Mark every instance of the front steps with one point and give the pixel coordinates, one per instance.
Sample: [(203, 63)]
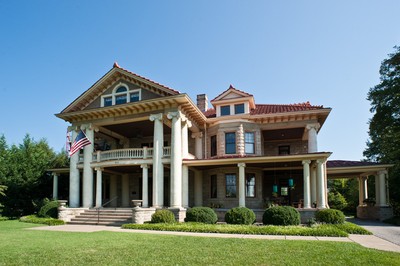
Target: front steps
[(105, 216)]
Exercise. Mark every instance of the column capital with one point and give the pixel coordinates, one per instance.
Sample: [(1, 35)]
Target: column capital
[(187, 121), (154, 117), (144, 165), (196, 135), (99, 169), (321, 161), (241, 165), (89, 126), (306, 162), (315, 126), (382, 172), (176, 114)]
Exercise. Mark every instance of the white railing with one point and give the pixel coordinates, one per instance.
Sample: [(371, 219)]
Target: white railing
[(167, 152), (131, 153)]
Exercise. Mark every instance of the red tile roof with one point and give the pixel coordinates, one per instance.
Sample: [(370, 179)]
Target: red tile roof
[(165, 87), (232, 88), (341, 163), (273, 109)]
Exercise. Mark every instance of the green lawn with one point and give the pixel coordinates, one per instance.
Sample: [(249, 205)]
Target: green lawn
[(19, 246)]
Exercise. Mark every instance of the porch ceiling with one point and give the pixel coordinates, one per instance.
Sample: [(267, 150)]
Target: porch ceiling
[(136, 129), (283, 134)]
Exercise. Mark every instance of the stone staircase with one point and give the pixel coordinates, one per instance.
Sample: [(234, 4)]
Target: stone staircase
[(105, 216)]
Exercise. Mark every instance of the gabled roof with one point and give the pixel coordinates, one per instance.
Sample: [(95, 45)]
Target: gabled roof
[(261, 109), (231, 89), (108, 79), (342, 163)]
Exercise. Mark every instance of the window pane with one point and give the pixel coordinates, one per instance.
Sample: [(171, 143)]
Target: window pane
[(250, 185), (120, 99), (284, 150), (120, 89), (239, 108), (107, 101), (134, 96), (213, 186), (249, 142), (213, 145), (225, 110), (230, 186), (230, 143)]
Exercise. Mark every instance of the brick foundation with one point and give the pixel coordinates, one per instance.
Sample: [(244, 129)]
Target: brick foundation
[(374, 212)]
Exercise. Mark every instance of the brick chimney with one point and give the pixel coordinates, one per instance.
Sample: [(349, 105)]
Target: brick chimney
[(202, 102)]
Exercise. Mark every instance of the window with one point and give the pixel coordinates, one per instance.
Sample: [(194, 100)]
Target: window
[(230, 143), (250, 185), (107, 101), (225, 110), (239, 108), (230, 185), (213, 145), (284, 150), (249, 142), (121, 94), (134, 96), (214, 186)]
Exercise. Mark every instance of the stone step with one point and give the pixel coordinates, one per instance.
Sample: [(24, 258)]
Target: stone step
[(110, 223), (106, 214)]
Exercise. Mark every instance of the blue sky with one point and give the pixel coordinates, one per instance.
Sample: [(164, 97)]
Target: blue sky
[(325, 52)]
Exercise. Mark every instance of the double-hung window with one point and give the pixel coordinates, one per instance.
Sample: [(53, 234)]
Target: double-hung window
[(239, 108), (230, 143), (250, 185), (225, 110), (213, 186), (230, 185), (249, 143)]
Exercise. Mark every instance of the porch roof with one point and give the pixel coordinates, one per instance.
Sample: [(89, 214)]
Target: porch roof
[(351, 169)]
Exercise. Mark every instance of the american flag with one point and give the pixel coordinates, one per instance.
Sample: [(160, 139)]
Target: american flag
[(80, 141)]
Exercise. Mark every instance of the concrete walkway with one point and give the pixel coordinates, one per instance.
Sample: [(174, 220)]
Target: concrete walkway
[(385, 231), (369, 241)]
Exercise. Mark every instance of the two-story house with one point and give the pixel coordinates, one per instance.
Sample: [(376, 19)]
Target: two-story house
[(154, 144)]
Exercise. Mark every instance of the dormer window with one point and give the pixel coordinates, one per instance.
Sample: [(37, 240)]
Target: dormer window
[(239, 108), (121, 95), (225, 110)]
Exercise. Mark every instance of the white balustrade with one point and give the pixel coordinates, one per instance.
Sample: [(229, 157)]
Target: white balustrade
[(131, 153)]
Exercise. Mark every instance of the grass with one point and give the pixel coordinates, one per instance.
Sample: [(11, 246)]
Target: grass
[(319, 230), (31, 247), (41, 220)]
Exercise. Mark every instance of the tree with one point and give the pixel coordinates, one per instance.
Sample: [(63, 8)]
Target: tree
[(384, 127)]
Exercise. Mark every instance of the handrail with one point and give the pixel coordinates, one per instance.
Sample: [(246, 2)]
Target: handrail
[(98, 208)]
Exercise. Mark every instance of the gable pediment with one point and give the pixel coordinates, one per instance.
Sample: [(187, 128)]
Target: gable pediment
[(92, 98)]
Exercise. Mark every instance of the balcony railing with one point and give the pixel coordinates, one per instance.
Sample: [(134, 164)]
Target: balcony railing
[(121, 154)]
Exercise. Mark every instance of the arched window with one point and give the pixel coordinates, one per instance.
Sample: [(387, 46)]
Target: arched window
[(121, 95)]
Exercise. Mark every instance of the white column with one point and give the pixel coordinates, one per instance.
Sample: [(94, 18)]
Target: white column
[(198, 144), (321, 204), (87, 195), (313, 182), (145, 185), (382, 188), (125, 190), (99, 185), (365, 187), (185, 139), (312, 137), (55, 186), (360, 191), (185, 186), (176, 159), (377, 190), (158, 168), (113, 191), (307, 189), (74, 180), (242, 188), (198, 188)]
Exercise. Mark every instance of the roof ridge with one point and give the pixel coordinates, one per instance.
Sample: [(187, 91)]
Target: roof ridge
[(303, 104), (115, 65)]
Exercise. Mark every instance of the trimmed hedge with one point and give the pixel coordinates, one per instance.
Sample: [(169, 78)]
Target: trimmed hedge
[(39, 220), (281, 215), (330, 216), (352, 229), (163, 216), (240, 215), (202, 215), (49, 210)]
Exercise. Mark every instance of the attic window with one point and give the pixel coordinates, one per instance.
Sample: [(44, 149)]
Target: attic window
[(225, 110), (239, 108), (121, 95)]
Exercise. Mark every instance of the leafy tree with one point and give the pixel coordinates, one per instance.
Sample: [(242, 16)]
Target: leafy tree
[(23, 170), (384, 127)]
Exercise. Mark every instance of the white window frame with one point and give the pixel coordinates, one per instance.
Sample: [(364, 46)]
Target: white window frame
[(114, 94)]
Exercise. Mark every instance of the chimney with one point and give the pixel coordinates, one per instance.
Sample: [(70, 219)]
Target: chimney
[(202, 102)]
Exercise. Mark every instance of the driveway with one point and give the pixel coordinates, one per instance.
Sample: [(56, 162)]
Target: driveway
[(388, 232)]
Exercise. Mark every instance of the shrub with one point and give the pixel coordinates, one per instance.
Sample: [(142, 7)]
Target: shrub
[(50, 209), (40, 220), (336, 201), (281, 215), (163, 216), (330, 216), (202, 215), (240, 215)]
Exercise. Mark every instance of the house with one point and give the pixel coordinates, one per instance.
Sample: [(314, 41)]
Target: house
[(154, 145)]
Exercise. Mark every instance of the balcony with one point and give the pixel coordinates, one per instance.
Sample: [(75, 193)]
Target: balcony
[(126, 154)]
